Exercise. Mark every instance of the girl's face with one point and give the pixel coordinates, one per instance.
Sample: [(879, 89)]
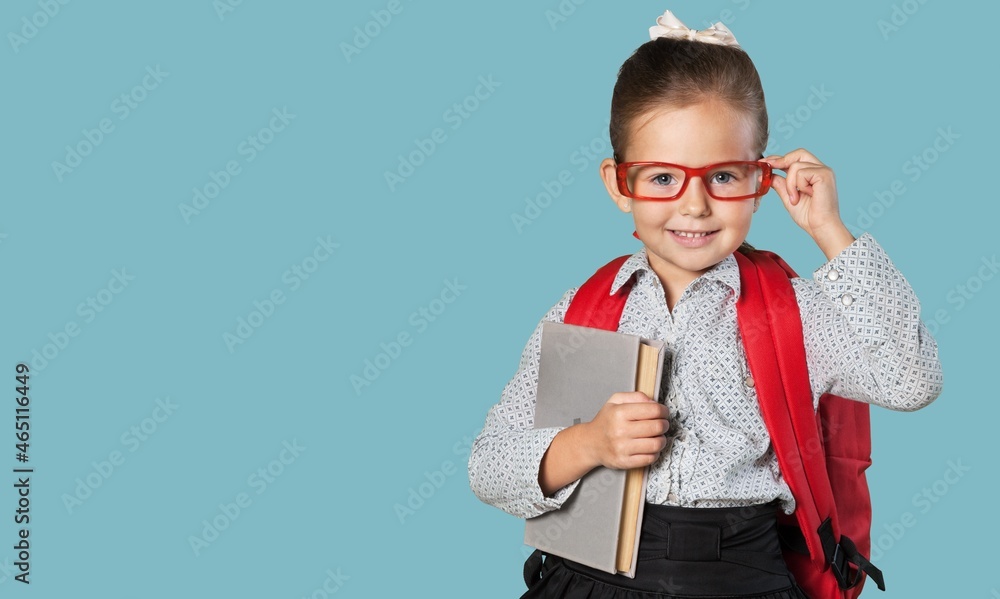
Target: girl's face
[(698, 135)]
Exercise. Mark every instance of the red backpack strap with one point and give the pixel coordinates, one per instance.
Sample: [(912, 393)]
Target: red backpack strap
[(771, 329), (593, 305), (778, 378)]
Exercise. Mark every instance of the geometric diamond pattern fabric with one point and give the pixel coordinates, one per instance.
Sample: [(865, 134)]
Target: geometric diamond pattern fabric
[(863, 337)]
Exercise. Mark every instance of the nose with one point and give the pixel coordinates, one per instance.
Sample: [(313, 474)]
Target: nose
[(694, 201)]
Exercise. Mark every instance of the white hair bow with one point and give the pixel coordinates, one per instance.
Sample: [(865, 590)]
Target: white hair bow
[(668, 25)]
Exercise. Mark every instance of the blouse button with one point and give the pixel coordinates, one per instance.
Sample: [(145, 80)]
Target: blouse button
[(833, 275), (748, 381), (671, 497), (847, 299)]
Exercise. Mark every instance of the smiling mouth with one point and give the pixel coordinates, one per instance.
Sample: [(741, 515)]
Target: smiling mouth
[(692, 234)]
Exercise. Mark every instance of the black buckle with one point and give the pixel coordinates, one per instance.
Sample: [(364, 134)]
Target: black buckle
[(844, 554), (837, 563), (533, 568)]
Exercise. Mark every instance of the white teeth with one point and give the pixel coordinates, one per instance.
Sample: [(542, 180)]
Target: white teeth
[(686, 234)]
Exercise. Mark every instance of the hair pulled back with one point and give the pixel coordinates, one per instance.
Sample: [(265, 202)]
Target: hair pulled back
[(677, 73)]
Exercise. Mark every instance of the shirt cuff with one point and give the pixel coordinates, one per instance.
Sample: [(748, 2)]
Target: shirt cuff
[(849, 277), (538, 501)]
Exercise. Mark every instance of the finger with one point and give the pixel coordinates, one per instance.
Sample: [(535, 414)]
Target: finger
[(792, 185), (635, 461), (783, 165), (799, 178), (644, 447), (651, 428), (799, 155), (654, 446), (802, 184), (644, 411), (629, 397), (780, 185), (807, 178)]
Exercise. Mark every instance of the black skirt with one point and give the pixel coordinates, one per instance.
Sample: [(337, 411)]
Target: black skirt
[(683, 553)]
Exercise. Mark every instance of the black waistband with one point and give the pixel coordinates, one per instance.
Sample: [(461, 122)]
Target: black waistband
[(705, 551)]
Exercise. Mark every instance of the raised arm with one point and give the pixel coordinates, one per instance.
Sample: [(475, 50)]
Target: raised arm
[(863, 333)]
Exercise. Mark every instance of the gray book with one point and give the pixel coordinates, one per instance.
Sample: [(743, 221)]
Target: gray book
[(579, 370)]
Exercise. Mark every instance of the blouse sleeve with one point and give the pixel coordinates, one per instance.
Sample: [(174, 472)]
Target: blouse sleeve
[(506, 455), (863, 334)]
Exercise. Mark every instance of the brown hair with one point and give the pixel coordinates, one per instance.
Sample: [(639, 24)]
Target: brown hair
[(678, 73)]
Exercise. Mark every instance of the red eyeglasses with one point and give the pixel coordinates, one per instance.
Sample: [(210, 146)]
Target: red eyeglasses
[(662, 181)]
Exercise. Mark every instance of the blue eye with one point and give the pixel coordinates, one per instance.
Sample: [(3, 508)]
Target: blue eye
[(723, 178), (656, 180)]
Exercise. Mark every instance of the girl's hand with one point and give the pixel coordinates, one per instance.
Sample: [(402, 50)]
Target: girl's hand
[(628, 432), (809, 192)]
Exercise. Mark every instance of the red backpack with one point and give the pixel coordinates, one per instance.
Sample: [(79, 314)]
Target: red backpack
[(823, 454)]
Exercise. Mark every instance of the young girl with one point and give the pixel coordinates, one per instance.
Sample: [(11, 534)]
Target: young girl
[(691, 99)]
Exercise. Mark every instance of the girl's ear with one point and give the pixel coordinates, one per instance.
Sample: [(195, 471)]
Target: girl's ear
[(610, 178)]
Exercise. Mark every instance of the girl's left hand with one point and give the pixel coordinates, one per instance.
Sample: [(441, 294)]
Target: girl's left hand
[(808, 190)]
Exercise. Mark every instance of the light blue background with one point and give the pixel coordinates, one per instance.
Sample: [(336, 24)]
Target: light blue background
[(332, 508)]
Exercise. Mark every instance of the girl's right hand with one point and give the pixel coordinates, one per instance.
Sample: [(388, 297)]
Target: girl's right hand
[(628, 431)]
